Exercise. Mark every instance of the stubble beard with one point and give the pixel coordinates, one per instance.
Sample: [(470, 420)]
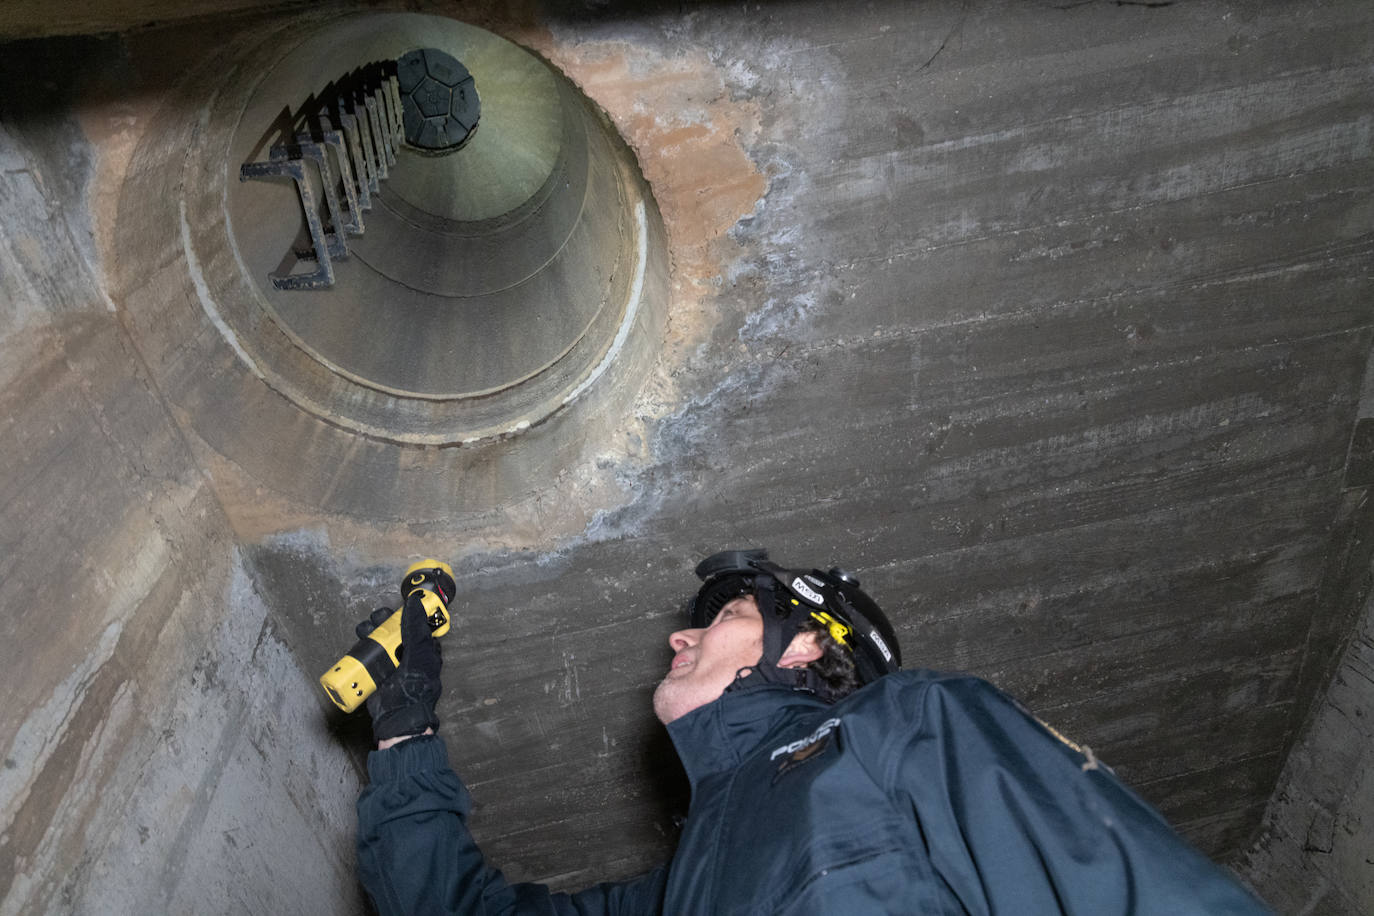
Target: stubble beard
[(663, 701)]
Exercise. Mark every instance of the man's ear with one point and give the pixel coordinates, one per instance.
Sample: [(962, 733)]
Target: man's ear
[(804, 649)]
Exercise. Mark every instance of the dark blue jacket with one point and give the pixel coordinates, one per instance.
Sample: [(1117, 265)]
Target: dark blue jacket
[(921, 793)]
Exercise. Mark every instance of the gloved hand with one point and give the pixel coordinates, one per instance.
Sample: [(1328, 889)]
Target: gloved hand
[(403, 704)]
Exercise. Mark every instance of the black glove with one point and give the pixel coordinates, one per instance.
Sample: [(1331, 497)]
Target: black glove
[(403, 704)]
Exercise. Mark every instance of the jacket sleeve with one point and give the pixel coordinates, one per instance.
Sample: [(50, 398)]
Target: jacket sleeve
[(1018, 820), (415, 855)]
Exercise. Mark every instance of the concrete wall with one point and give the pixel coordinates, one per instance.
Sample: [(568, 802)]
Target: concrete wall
[(1051, 322), (25, 18), (161, 747), (1316, 852)]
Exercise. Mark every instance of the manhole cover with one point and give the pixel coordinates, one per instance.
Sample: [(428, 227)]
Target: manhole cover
[(439, 100)]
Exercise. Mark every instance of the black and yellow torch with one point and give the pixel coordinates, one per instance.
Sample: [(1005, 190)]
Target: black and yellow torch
[(354, 677)]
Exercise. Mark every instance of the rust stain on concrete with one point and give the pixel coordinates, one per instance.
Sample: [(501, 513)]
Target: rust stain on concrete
[(689, 135), (691, 138)]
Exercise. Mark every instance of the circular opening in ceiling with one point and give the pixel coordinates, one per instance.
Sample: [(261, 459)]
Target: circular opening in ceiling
[(440, 103), (488, 329), (486, 288)]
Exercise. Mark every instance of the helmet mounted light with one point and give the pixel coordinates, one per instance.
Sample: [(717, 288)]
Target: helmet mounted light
[(787, 600)]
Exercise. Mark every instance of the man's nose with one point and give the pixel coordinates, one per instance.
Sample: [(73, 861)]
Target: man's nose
[(683, 638)]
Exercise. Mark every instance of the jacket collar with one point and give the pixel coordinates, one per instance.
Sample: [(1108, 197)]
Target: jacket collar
[(722, 733)]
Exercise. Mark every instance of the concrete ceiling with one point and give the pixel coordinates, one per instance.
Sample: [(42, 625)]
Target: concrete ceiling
[(1049, 319)]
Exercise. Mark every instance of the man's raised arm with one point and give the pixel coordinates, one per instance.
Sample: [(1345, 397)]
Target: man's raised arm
[(415, 854)]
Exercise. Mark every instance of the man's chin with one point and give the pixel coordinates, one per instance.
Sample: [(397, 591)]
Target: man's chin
[(670, 703)]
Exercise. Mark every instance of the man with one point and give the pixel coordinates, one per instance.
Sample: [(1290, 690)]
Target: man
[(917, 792)]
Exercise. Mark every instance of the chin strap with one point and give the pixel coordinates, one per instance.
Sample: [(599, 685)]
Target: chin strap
[(778, 632)]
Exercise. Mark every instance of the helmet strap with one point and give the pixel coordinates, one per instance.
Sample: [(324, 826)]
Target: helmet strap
[(778, 633)]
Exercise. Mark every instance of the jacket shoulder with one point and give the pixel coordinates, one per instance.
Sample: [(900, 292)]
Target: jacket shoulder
[(909, 687), (887, 713)]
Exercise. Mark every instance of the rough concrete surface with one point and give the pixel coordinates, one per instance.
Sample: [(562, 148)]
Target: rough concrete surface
[(160, 744), (1314, 854), (245, 796), (1051, 319)]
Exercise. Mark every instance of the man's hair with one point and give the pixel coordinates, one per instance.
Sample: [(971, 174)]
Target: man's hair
[(836, 664)]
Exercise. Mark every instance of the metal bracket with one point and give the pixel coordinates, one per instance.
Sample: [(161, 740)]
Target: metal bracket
[(353, 221), (393, 86), (378, 135), (281, 165), (358, 143), (385, 118), (388, 106), (338, 246)]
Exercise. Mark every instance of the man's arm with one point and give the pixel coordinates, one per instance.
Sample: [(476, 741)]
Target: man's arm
[(1020, 821), (415, 854)]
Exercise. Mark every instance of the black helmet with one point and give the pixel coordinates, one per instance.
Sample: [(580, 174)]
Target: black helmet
[(788, 599)]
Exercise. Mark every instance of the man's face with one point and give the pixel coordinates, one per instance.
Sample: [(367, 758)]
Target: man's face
[(708, 659)]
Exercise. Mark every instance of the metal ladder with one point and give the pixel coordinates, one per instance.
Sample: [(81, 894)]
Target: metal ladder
[(362, 153)]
